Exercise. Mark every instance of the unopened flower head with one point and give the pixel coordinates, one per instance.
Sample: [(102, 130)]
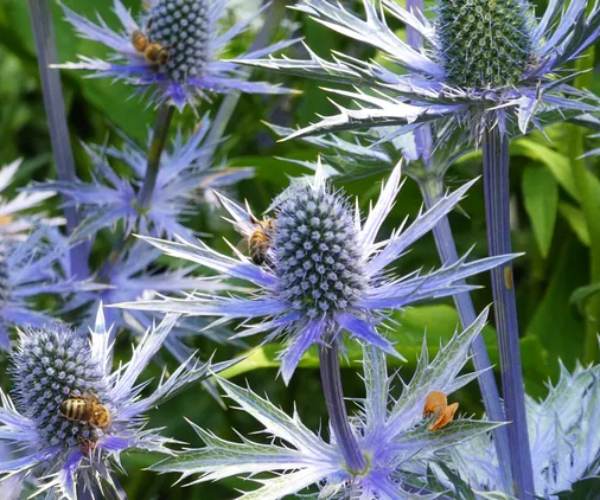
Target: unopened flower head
[(323, 271), (73, 416), (173, 50), (485, 64), (470, 30)]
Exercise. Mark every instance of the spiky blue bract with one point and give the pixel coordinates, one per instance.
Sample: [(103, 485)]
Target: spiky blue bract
[(325, 272), (13, 223), (565, 444), (391, 432), (485, 64), (38, 265), (185, 175), (190, 30), (54, 363)]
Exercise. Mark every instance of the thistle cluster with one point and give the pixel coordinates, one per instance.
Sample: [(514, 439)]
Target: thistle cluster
[(314, 273)]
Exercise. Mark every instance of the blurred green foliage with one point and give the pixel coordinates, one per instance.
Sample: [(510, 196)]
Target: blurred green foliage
[(552, 222)]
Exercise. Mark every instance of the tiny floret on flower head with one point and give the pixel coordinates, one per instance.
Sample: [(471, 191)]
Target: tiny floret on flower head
[(182, 28), (484, 43), (317, 258), (50, 367)]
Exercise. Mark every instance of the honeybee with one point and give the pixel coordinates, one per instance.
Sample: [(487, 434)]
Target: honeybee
[(259, 241), (86, 409), (140, 41), (154, 52), (436, 404)]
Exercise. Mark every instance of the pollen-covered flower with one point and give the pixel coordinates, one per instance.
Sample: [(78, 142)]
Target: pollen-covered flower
[(72, 416), (565, 444), (320, 270), (398, 441), (39, 265), (13, 223), (486, 63), (172, 50), (185, 175)]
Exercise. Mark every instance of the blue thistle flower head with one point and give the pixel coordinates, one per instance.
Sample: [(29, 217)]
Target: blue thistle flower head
[(394, 436), (54, 364), (484, 64), (185, 175), (172, 50), (323, 271), (38, 265)]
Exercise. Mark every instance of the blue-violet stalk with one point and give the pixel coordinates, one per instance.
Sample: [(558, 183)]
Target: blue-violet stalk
[(41, 19), (432, 190), (496, 187)]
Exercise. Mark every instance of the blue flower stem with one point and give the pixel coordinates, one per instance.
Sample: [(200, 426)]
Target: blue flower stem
[(496, 190), (432, 190), (41, 20), (331, 382), (273, 17), (157, 146)]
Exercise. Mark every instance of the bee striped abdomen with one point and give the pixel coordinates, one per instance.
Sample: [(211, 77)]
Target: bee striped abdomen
[(77, 409)]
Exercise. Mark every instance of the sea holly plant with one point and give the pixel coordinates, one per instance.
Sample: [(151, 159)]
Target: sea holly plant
[(172, 51), (454, 83), (52, 364), (323, 273), (184, 176), (39, 265), (325, 270), (565, 448), (14, 224), (392, 433)]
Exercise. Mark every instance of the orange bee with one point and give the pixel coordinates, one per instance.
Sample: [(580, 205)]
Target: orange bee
[(88, 410), (259, 241), (436, 405), (5, 220)]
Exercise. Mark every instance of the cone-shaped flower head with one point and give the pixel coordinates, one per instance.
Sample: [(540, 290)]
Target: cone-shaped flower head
[(48, 367), (483, 44), (485, 63), (316, 252), (322, 272), (173, 49), (4, 280), (182, 28), (73, 416)]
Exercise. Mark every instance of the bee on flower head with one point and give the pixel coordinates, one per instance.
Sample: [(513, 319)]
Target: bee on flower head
[(86, 409), (153, 52), (260, 240)]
